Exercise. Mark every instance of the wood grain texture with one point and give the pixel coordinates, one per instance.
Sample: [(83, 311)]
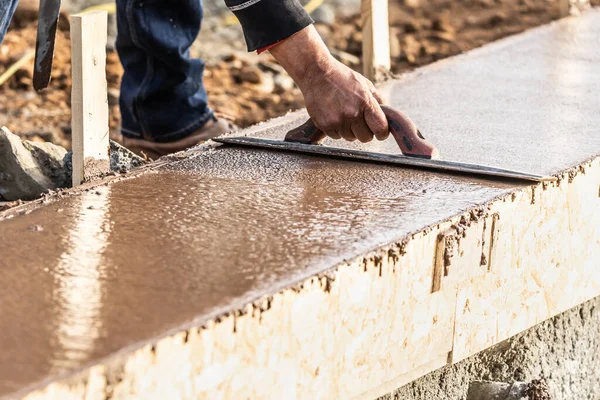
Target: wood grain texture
[(376, 38), (89, 100)]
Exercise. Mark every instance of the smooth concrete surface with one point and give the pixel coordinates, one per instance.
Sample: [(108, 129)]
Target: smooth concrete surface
[(528, 102), (118, 266)]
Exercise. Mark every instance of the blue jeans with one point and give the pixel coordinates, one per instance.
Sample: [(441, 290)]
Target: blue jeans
[(7, 9), (162, 94)]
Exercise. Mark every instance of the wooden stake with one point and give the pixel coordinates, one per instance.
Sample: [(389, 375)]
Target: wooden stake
[(89, 101), (376, 37)]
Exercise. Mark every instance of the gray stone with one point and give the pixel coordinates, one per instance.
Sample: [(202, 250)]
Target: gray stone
[(485, 390), (29, 169), (121, 160), (324, 15), (325, 32), (395, 48), (283, 83), (113, 96)]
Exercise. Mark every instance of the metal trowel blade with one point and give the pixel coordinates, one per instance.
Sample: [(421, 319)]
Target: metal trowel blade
[(420, 163)]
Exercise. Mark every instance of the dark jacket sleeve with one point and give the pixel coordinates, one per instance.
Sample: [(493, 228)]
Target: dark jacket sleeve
[(268, 21)]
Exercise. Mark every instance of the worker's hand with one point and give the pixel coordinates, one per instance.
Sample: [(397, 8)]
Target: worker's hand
[(344, 104), (341, 102)]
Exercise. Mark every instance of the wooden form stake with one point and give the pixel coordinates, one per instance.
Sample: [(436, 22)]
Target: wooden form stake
[(376, 37), (89, 101)]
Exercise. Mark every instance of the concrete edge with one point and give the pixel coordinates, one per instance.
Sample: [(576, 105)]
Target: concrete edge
[(270, 323)]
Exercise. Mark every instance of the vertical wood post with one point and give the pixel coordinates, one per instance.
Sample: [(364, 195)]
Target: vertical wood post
[(89, 101), (376, 37)]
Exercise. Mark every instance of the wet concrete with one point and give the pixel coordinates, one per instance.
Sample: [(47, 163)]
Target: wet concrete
[(114, 267), (98, 272)]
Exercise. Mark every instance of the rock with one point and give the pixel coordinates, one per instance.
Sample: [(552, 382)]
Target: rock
[(283, 83), (50, 158), (497, 19), (443, 24), (398, 14), (395, 48), (412, 3), (344, 57), (250, 74), (325, 33), (271, 67), (121, 160), (253, 75), (345, 8), (485, 390), (29, 169), (411, 48), (486, 3), (411, 27), (267, 84), (445, 36), (325, 14), (113, 96), (355, 43)]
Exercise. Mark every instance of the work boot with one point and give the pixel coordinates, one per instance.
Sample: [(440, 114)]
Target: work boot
[(154, 150)]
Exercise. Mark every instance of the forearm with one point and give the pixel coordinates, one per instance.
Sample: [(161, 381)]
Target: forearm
[(303, 55)]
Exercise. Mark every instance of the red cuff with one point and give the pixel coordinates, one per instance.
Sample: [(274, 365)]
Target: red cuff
[(263, 49)]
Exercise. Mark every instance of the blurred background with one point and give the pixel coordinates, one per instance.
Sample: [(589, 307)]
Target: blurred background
[(247, 87)]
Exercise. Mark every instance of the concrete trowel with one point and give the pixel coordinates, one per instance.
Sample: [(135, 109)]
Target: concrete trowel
[(416, 151), (44, 46)]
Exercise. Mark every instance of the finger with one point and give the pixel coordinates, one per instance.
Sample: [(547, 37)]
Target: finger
[(361, 131), (378, 97), (327, 130), (333, 135), (345, 130), (347, 134), (376, 120), (374, 92)]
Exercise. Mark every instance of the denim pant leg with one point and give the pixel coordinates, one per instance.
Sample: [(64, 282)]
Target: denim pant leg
[(7, 9), (162, 93)]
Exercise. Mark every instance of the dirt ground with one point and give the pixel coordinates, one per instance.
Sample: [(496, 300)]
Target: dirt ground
[(254, 89)]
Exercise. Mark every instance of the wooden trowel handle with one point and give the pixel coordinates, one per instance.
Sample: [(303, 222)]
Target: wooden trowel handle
[(404, 131)]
